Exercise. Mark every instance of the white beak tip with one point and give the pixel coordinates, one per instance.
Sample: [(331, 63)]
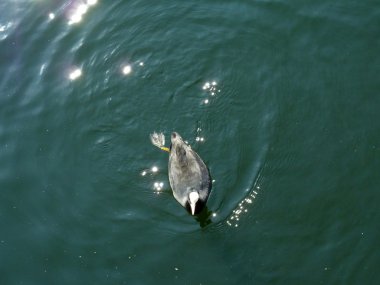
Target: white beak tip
[(192, 209)]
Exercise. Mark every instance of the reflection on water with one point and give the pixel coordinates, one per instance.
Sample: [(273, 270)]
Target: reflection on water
[(153, 169), (74, 10), (127, 69), (242, 208), (4, 30), (244, 205), (75, 74), (158, 186), (80, 8), (204, 217), (210, 89)]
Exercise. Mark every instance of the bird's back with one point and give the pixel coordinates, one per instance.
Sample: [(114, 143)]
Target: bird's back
[(187, 172)]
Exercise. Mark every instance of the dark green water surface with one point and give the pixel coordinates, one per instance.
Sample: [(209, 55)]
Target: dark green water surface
[(280, 98)]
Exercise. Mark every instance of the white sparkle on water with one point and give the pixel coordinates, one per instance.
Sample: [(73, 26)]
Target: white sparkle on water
[(75, 18), (206, 86), (80, 11), (75, 74), (127, 69), (154, 169), (157, 186), (210, 86), (210, 89), (51, 16), (242, 208)]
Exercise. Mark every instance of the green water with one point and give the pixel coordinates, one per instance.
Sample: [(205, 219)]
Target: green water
[(288, 125)]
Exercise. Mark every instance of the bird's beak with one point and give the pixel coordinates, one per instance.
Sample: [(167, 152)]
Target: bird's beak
[(192, 206)]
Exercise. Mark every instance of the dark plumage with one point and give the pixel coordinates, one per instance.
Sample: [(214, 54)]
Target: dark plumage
[(188, 176)]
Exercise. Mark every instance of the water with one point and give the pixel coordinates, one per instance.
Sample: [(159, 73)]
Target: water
[(279, 98)]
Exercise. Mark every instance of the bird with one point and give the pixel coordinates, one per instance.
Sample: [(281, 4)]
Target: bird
[(189, 176)]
